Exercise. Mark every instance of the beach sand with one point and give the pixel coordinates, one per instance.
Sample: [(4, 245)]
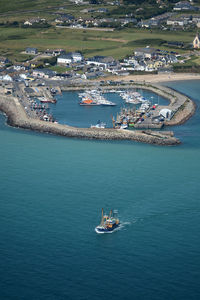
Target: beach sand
[(157, 78)]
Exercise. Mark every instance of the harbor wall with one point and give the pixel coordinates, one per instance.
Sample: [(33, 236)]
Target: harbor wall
[(17, 117)]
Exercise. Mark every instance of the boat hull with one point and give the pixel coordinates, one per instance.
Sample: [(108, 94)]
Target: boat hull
[(89, 104), (99, 229)]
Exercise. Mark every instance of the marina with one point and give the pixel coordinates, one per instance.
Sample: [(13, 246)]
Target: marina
[(65, 117), (66, 111)]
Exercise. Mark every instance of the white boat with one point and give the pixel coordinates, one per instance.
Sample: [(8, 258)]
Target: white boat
[(99, 125), (96, 97), (123, 126)]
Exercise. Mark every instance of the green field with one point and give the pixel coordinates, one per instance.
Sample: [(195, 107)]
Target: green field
[(116, 43), (119, 43), (15, 6)]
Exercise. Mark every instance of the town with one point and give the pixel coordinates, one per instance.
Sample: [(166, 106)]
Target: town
[(35, 75)]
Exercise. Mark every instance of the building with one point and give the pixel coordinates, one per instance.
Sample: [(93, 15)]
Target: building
[(54, 52), (166, 113), (101, 61), (145, 52), (177, 22), (184, 5), (43, 73), (32, 21), (196, 42), (31, 51), (69, 58)]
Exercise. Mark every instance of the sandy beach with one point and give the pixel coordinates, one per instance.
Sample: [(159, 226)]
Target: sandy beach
[(157, 78)]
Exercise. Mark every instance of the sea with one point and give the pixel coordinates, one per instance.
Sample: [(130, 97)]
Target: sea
[(52, 190)]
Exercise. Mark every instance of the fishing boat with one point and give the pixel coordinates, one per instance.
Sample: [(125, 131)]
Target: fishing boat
[(123, 126), (94, 97), (45, 100), (108, 223), (88, 102)]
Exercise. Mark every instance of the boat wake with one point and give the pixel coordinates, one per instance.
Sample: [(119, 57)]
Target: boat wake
[(121, 226)]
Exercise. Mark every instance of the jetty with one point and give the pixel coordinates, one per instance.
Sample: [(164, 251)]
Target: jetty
[(19, 116)]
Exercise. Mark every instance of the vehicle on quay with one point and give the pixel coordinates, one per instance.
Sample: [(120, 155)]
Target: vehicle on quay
[(108, 222)]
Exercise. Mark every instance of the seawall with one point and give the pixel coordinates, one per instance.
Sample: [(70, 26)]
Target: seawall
[(17, 117)]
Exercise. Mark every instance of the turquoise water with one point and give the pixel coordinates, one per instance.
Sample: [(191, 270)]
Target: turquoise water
[(68, 111), (52, 192)]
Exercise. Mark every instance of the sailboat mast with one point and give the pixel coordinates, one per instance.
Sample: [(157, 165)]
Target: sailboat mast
[(102, 218)]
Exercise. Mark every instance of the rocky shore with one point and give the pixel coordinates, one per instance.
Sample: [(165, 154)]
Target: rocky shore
[(17, 117)]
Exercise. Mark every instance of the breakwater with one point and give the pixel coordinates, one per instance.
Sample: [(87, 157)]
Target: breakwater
[(17, 117)]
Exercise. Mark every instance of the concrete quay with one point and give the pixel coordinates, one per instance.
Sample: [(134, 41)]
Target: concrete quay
[(17, 117)]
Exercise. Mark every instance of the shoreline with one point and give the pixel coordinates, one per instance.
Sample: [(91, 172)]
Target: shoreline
[(17, 117), (157, 78)]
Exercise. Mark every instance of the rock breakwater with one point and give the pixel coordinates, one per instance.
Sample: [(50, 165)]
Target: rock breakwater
[(17, 117)]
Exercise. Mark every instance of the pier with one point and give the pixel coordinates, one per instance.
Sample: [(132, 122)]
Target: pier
[(20, 115)]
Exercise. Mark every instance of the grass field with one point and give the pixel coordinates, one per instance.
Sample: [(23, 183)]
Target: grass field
[(117, 43), (15, 6)]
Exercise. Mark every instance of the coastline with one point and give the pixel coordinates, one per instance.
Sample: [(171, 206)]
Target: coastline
[(157, 78), (184, 107)]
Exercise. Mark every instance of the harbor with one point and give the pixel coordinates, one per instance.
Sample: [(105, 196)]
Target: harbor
[(44, 109)]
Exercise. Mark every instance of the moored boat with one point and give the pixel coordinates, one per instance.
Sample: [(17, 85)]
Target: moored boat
[(99, 125), (88, 102), (108, 223)]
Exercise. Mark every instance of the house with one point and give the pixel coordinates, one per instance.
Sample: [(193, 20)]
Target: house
[(31, 51), (69, 58), (150, 23), (184, 5), (19, 67), (43, 73), (196, 42), (101, 61), (32, 21), (145, 52), (177, 22), (92, 75), (125, 21), (54, 52), (64, 18)]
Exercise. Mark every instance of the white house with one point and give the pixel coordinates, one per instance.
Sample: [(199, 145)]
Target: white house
[(177, 22), (101, 61), (70, 58)]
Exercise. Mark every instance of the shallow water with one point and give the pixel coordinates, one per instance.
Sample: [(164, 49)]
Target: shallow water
[(52, 192)]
